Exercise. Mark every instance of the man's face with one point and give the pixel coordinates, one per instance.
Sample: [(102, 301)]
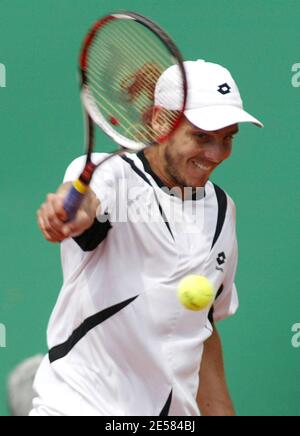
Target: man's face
[(192, 154)]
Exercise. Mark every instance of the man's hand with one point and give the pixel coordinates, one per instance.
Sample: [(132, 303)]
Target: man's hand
[(52, 216)]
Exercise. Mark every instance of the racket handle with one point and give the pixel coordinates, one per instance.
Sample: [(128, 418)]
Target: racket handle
[(74, 199)]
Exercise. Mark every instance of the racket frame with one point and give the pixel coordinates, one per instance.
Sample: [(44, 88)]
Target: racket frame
[(94, 117)]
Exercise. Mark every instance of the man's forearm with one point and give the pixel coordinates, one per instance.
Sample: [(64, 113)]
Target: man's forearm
[(213, 395)]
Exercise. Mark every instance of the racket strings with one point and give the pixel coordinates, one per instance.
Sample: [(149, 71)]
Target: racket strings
[(141, 42), (100, 91), (132, 88), (147, 67), (110, 108), (125, 63)]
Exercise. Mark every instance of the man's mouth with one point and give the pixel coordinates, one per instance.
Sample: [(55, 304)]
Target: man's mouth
[(204, 166)]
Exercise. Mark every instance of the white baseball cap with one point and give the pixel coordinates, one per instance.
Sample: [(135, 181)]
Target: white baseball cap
[(214, 100)]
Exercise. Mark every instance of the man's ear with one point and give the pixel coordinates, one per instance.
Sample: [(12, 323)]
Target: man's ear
[(162, 121)]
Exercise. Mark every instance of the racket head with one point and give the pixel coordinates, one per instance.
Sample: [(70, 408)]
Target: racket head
[(122, 60)]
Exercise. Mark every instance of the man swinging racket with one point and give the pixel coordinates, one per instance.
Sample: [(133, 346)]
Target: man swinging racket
[(120, 343)]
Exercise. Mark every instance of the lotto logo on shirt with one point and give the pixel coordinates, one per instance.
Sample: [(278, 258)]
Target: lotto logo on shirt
[(296, 336), (2, 76)]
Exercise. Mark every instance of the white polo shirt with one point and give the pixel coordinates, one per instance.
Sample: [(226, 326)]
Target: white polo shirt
[(120, 341)]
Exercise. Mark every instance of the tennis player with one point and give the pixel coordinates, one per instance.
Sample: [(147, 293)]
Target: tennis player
[(120, 342)]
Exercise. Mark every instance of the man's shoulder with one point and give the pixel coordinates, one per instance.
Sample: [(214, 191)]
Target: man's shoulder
[(224, 198), (112, 163)]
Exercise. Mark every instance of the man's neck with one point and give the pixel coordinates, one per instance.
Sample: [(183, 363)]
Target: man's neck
[(156, 162)]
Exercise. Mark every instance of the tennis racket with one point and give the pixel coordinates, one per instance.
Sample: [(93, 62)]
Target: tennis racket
[(123, 57)]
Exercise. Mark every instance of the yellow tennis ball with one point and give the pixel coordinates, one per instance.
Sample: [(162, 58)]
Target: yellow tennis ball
[(195, 292)]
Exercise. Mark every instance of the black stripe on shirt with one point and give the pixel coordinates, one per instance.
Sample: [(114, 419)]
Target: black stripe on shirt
[(211, 315), (219, 292), (222, 209), (142, 175), (166, 409), (198, 193), (90, 323), (136, 169), (211, 312)]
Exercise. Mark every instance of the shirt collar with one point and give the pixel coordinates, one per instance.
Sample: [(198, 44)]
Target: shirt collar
[(198, 193)]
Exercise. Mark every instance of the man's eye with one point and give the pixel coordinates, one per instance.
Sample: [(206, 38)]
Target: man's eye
[(201, 136)]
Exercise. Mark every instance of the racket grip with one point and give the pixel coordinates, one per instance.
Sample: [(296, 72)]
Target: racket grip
[(74, 199)]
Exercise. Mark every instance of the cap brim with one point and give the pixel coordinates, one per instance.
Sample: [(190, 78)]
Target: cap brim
[(217, 117)]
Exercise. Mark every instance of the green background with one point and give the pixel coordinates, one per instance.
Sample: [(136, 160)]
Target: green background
[(41, 132)]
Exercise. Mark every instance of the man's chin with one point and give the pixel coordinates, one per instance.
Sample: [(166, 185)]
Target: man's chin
[(198, 183)]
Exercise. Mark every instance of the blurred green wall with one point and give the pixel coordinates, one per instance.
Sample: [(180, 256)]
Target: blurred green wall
[(41, 132)]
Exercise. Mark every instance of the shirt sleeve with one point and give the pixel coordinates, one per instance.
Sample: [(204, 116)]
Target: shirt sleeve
[(103, 182), (227, 303)]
